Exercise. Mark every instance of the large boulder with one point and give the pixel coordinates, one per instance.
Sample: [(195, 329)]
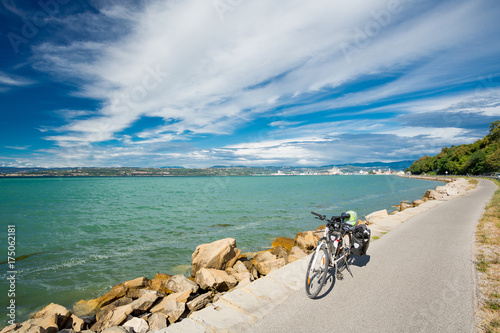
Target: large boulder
[(215, 279), (265, 261), (434, 195), (251, 268), (50, 319), (48, 323), (158, 283), (296, 253), (418, 202), (75, 323), (105, 310), (26, 327), (162, 276), (157, 321), (280, 252), (11, 328), (159, 286), (170, 308), (240, 267), (144, 303), (181, 297), (118, 329), (286, 242), (179, 283), (60, 312), (138, 283), (200, 301), (113, 318), (87, 308), (243, 276), (306, 240), (404, 205), (139, 325), (377, 216), (219, 255)]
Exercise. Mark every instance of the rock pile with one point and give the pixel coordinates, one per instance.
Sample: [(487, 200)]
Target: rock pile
[(145, 305), (454, 187)]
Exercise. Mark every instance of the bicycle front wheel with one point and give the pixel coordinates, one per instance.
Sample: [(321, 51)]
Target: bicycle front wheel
[(317, 271)]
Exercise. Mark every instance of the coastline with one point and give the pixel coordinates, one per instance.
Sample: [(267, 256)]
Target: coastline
[(379, 222)]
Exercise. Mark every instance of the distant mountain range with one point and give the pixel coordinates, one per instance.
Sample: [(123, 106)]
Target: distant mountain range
[(399, 165), (12, 170), (352, 167)]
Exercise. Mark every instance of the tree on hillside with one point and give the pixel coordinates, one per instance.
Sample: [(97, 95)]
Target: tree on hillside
[(476, 164), (494, 133), (493, 161), (476, 158)]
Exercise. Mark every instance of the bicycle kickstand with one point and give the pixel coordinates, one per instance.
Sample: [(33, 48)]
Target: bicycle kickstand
[(347, 266)]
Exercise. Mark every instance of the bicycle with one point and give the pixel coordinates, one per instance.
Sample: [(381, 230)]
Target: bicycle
[(333, 250)]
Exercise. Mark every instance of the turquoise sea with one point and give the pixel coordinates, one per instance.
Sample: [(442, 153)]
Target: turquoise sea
[(88, 234)]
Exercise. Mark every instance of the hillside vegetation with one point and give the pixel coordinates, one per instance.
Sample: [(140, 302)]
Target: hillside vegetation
[(482, 156)]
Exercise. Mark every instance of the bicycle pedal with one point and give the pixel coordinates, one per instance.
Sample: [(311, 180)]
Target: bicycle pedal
[(340, 276)]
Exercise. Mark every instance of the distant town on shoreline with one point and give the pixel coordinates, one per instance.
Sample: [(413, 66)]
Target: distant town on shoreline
[(352, 169)]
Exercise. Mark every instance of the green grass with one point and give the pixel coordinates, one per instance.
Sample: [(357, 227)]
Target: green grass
[(473, 181), (488, 238), (482, 265), (376, 237), (493, 305)]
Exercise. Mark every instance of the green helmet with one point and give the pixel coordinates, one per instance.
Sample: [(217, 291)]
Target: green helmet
[(353, 220)]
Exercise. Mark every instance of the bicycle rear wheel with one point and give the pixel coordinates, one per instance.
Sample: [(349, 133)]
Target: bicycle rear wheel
[(317, 271)]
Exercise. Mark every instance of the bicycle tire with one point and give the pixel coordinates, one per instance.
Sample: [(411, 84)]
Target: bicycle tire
[(317, 271)]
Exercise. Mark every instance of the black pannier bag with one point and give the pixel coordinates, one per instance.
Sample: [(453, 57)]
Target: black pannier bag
[(360, 240)]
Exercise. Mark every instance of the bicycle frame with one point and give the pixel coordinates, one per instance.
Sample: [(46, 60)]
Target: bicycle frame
[(335, 242)]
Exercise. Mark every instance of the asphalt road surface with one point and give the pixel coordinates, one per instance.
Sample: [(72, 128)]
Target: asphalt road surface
[(419, 277)]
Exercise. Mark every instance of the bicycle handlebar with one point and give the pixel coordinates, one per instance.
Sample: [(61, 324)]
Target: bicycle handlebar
[(339, 219), (321, 217)]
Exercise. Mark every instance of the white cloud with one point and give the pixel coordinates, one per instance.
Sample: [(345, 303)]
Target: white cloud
[(8, 80), (203, 75), (284, 123), (18, 147)]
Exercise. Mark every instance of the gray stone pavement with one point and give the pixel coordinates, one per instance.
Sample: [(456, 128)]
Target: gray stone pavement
[(241, 309)]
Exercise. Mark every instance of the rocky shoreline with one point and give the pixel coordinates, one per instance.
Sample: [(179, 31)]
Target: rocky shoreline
[(148, 305)]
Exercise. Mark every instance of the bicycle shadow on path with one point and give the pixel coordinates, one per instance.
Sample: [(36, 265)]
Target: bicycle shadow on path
[(360, 261), (331, 280)]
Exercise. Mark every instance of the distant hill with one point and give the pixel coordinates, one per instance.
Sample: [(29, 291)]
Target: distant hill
[(14, 170), (399, 165), (482, 156), (214, 170)]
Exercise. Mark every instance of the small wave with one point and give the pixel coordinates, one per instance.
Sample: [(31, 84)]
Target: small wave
[(221, 225)]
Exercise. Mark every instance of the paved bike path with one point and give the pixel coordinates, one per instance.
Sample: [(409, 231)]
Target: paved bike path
[(419, 277)]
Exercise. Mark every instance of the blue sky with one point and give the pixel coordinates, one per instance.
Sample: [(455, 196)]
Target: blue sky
[(198, 83)]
